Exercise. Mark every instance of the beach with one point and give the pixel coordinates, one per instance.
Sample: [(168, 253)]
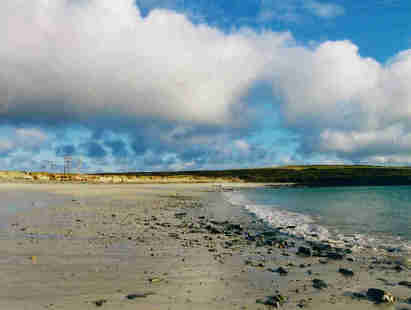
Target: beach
[(174, 246)]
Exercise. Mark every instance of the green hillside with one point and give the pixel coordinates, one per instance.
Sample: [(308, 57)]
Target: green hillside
[(313, 175)]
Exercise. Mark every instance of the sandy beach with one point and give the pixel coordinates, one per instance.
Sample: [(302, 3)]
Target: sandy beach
[(171, 246)]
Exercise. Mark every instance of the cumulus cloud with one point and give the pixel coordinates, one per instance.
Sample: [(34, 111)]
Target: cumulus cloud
[(22, 139), (80, 59), (179, 90), (347, 104)]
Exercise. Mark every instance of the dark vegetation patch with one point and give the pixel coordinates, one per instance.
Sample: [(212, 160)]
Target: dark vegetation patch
[(318, 175)]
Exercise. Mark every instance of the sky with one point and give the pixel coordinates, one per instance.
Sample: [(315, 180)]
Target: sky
[(150, 85)]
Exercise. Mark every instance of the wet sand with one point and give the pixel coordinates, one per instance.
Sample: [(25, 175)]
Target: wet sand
[(170, 247)]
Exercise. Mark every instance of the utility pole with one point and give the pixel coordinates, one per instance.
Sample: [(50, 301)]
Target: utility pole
[(68, 160), (79, 165)]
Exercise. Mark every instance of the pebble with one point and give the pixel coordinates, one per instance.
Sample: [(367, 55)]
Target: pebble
[(139, 295), (405, 283), (319, 284), (346, 272), (274, 301), (304, 251), (100, 302), (380, 296)]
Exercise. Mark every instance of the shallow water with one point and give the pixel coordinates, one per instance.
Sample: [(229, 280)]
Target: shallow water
[(374, 212)]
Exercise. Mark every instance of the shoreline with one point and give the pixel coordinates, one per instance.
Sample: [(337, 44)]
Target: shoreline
[(176, 247), (300, 225)]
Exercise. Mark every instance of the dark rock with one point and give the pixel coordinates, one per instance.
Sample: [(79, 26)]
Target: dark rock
[(218, 223), (253, 263), (100, 302), (379, 296), (269, 234), (250, 237), (335, 256), (236, 227), (399, 268), (319, 246), (282, 271), (405, 283), (139, 295), (319, 284), (213, 229), (174, 235), (180, 214), (274, 301), (346, 272), (303, 251)]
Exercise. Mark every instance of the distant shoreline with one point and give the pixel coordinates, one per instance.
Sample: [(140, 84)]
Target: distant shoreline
[(312, 175)]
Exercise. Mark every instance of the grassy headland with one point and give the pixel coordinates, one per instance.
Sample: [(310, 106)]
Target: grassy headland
[(307, 175), (310, 175)]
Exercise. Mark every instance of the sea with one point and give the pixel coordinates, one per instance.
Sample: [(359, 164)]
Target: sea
[(371, 217)]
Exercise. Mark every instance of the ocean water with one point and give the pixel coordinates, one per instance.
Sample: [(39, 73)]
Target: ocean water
[(362, 216)]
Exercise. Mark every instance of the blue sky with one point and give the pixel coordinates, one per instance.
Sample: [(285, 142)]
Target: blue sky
[(177, 84)]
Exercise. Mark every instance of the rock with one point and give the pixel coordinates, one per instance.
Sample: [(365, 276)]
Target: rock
[(282, 271), (319, 246), (304, 251), (174, 235), (302, 303), (399, 268), (274, 301), (259, 243), (180, 215), (269, 234), (139, 295), (405, 283), (236, 227), (335, 256), (319, 284), (350, 258), (213, 229), (254, 264), (403, 261), (100, 302), (346, 272), (155, 280), (380, 296)]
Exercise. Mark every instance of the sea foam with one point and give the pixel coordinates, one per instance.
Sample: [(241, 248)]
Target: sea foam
[(304, 226)]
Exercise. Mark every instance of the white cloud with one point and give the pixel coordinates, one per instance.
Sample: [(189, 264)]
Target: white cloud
[(30, 136), (87, 59), (99, 58), (324, 10), (296, 10), (242, 146), (25, 139)]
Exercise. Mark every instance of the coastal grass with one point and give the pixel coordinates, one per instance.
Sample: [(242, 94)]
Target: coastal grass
[(310, 175), (306, 175)]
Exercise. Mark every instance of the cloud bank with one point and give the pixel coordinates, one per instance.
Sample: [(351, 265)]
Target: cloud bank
[(181, 90)]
